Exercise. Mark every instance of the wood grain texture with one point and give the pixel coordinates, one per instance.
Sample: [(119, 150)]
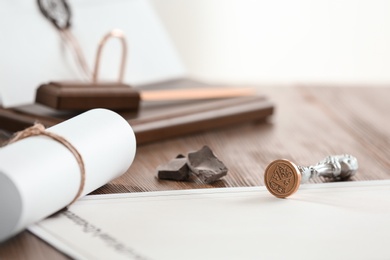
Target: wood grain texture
[(304, 130), (308, 124), (200, 117), (155, 122)]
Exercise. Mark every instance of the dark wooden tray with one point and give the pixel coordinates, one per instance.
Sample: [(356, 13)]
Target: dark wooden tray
[(158, 121)]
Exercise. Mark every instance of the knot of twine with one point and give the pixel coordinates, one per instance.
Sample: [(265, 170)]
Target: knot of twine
[(39, 129)]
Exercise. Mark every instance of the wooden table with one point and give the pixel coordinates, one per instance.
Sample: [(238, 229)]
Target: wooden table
[(309, 123)]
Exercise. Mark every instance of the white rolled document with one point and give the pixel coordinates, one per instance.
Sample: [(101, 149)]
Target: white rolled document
[(39, 176)]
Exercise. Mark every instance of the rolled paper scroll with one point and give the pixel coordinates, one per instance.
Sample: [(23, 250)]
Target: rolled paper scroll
[(39, 176)]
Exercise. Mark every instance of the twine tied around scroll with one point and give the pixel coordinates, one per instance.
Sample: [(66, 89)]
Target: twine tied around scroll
[(39, 129)]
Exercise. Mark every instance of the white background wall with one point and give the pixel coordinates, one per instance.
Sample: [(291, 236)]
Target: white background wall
[(282, 41)]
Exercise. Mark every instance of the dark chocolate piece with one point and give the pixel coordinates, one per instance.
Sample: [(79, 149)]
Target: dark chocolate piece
[(176, 170), (206, 166)]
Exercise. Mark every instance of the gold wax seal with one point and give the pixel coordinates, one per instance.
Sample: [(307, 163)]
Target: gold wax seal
[(282, 178)]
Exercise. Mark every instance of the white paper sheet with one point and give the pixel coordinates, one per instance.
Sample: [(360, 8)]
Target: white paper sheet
[(32, 54), (321, 221), (39, 176)]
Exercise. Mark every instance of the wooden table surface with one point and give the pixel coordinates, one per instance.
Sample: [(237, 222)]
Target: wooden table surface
[(309, 123)]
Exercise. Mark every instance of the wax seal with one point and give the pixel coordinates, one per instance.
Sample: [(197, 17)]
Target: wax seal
[(283, 178)]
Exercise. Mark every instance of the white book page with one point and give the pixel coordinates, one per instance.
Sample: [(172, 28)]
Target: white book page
[(32, 53), (321, 221)]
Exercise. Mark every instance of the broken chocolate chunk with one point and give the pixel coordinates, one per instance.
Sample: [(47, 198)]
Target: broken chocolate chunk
[(176, 170), (206, 166)]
